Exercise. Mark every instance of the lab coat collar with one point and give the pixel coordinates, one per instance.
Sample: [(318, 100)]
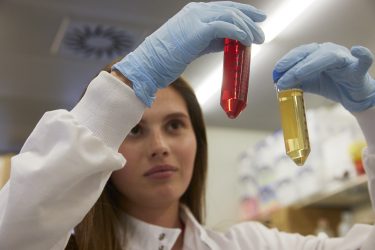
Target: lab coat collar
[(190, 222), (142, 235)]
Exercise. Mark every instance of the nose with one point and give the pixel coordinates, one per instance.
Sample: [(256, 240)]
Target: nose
[(158, 145)]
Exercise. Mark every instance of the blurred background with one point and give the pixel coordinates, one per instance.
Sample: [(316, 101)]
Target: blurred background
[(50, 50)]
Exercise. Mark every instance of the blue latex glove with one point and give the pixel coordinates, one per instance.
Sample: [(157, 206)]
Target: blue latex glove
[(329, 70), (199, 28)]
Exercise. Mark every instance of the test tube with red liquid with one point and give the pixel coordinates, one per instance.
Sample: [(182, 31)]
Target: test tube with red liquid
[(235, 77)]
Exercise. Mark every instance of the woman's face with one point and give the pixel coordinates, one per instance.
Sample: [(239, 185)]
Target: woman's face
[(160, 153)]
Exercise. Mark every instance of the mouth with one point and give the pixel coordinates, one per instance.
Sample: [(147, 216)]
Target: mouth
[(160, 172)]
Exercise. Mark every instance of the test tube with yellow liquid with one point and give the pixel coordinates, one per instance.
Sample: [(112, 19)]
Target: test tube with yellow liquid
[(293, 123)]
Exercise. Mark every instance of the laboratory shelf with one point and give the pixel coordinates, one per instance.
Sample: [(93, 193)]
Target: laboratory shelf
[(340, 194)]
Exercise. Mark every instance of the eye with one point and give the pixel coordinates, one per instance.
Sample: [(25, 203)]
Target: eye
[(136, 130), (175, 125)]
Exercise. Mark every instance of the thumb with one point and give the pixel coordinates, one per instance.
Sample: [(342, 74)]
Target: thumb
[(365, 58)]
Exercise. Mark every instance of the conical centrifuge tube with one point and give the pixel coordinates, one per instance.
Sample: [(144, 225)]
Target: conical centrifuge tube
[(235, 77), (293, 122)]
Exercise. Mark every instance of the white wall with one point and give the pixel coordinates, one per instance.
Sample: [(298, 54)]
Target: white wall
[(224, 146)]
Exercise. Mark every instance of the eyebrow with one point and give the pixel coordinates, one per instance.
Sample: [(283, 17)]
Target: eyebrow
[(177, 115), (174, 115)]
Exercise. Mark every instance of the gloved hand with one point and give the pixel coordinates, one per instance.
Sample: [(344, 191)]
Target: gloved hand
[(199, 28), (330, 70)]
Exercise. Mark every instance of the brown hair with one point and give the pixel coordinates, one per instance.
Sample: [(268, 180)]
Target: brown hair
[(98, 229)]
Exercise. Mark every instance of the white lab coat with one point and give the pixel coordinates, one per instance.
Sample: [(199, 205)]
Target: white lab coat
[(243, 236), (65, 163)]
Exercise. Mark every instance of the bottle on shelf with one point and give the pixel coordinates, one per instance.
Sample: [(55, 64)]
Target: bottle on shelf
[(345, 224), (323, 229)]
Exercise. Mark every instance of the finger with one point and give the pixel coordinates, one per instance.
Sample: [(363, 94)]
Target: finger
[(223, 29), (234, 16), (323, 60), (215, 45), (253, 29), (365, 58), (294, 56), (255, 14), (314, 63), (288, 80)]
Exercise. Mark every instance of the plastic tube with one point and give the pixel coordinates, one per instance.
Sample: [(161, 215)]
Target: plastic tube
[(235, 77), (293, 122)]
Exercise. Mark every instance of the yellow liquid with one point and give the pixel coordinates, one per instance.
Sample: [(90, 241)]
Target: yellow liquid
[(293, 122)]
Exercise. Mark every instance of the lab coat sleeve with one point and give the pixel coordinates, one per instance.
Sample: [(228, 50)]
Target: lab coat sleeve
[(64, 165), (252, 235), (366, 120)]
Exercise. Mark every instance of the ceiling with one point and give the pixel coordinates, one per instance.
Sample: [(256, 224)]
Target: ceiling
[(38, 72)]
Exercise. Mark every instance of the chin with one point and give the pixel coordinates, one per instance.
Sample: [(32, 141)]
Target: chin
[(167, 194)]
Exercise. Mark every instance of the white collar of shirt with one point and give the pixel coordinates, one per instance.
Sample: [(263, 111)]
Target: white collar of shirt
[(142, 235)]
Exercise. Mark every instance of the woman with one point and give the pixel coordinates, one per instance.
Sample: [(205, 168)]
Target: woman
[(172, 131), (71, 157)]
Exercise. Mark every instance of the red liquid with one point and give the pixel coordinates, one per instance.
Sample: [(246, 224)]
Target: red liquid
[(235, 77)]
